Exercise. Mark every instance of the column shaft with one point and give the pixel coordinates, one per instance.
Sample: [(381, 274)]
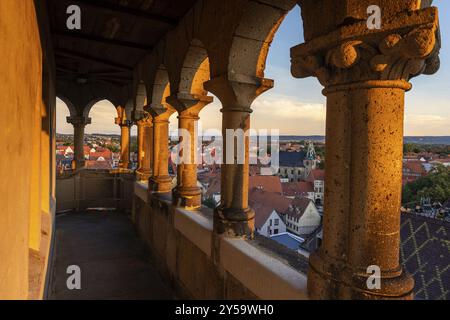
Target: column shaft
[(79, 146), (145, 148), (160, 182), (361, 224), (124, 146), (79, 123), (233, 216), (187, 193)]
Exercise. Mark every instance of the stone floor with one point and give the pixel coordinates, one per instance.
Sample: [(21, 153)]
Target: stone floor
[(112, 260)]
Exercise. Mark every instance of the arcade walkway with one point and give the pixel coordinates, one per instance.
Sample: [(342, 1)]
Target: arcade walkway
[(113, 262)]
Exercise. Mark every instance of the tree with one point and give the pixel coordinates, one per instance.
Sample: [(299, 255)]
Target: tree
[(436, 186), (113, 148)]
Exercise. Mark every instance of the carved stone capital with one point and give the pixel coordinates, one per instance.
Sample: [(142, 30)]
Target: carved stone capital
[(123, 122), (395, 53), (79, 121), (144, 120), (160, 111), (137, 115), (183, 102), (240, 92)]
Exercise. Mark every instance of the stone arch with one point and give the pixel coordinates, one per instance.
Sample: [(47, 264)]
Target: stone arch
[(88, 107), (72, 110), (195, 70), (254, 34), (161, 87), (140, 98), (129, 109)]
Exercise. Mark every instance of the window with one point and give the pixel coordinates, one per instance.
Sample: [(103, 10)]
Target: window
[(277, 222), (275, 231)]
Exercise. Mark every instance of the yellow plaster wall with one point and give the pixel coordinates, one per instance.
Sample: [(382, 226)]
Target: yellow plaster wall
[(20, 100)]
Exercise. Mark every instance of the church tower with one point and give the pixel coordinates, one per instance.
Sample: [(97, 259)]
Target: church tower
[(310, 160)]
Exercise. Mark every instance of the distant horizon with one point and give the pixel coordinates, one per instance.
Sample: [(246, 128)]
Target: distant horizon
[(281, 135)]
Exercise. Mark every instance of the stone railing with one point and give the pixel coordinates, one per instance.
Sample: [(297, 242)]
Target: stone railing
[(200, 266), (84, 189)]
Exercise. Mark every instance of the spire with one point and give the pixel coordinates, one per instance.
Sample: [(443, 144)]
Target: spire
[(311, 154)]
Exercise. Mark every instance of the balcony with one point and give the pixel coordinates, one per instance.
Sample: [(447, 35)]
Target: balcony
[(88, 189), (154, 61)]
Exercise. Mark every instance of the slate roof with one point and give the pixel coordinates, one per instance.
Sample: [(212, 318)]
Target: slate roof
[(292, 159), (446, 204), (425, 254), (288, 240)]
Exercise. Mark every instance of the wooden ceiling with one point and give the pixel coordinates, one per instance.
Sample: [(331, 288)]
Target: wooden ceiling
[(114, 36)]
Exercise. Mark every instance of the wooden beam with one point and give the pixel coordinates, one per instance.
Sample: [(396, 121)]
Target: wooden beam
[(85, 57), (76, 35), (113, 7), (95, 75)]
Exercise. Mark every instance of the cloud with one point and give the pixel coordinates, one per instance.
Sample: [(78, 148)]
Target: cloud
[(102, 114), (271, 111), (289, 115), (427, 124)]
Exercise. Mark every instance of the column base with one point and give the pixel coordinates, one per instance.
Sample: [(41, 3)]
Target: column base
[(188, 198), (160, 184), (143, 174), (234, 222), (330, 279)]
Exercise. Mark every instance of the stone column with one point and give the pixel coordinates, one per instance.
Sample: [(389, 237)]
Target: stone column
[(188, 194), (160, 181), (233, 217), (79, 123), (145, 148), (125, 126), (365, 79)]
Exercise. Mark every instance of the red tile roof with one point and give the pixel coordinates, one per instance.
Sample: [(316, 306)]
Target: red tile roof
[(298, 207), (415, 167), (264, 203), (266, 183), (292, 189), (316, 174), (104, 153)]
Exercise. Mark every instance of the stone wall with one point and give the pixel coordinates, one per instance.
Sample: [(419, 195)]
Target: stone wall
[(94, 189), (180, 243), (27, 100)]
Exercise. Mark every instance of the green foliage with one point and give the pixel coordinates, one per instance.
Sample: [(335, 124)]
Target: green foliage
[(442, 150), (113, 148), (436, 186)]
